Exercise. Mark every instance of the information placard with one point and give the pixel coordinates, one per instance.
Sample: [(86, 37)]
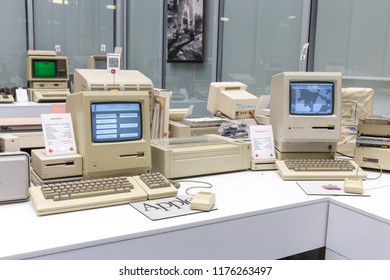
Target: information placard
[(58, 134), (262, 142)]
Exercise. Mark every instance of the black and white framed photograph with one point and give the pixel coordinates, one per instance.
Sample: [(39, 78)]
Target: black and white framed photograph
[(185, 30)]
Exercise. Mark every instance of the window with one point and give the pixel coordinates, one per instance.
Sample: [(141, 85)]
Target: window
[(78, 29), (260, 38), (354, 39), (144, 35), (13, 43)]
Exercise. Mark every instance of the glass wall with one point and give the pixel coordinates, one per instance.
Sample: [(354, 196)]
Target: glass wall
[(354, 39), (74, 28), (246, 41), (259, 39), (13, 43), (144, 35)]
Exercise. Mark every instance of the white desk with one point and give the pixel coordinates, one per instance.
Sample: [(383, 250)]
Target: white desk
[(259, 216), (359, 227)]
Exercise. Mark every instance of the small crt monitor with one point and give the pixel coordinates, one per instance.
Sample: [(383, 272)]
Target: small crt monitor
[(47, 68), (311, 98), (97, 62), (305, 111)]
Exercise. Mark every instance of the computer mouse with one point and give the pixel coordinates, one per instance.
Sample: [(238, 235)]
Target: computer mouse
[(353, 185), (203, 201)]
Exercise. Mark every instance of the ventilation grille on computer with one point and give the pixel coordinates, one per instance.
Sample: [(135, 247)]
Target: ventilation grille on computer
[(109, 87), (94, 87)]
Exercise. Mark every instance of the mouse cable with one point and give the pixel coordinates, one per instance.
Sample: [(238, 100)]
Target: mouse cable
[(377, 165), (208, 185)]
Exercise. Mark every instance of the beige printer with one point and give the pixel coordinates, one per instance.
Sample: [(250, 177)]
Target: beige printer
[(373, 143), (199, 155), (54, 168)]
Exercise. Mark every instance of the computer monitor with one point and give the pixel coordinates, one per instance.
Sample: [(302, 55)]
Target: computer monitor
[(305, 111), (100, 62), (112, 132), (97, 62), (47, 67), (231, 99)]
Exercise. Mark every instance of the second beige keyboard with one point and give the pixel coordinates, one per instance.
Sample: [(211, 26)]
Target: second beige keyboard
[(319, 169)]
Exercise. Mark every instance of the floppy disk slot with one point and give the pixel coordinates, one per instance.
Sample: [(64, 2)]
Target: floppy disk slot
[(60, 164), (332, 127), (142, 154)]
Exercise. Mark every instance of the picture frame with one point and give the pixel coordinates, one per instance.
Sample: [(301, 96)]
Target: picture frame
[(185, 28)]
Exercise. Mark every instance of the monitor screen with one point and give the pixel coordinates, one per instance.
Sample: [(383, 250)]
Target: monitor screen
[(101, 63), (44, 69), (116, 121), (311, 98)]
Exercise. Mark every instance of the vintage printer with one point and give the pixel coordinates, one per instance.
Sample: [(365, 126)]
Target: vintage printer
[(373, 143), (199, 155)]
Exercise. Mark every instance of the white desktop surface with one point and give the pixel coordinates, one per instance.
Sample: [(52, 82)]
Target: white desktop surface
[(263, 216)]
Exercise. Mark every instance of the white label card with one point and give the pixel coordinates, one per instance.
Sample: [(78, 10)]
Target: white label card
[(58, 134), (21, 95), (262, 142)]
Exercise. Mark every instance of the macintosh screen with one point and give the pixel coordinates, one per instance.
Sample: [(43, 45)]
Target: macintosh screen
[(44, 68), (116, 121), (311, 98)]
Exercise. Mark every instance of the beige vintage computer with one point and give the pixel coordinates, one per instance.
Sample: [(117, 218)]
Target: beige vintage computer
[(112, 131), (48, 76), (232, 100), (305, 111), (305, 114)]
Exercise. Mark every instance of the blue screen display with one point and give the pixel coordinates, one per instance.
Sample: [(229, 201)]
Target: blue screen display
[(116, 121)]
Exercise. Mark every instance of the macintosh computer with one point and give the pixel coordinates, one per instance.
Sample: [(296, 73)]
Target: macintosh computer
[(305, 111), (48, 76), (112, 133), (305, 114)]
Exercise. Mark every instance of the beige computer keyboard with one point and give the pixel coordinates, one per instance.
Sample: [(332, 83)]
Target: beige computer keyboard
[(319, 169), (86, 194)]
